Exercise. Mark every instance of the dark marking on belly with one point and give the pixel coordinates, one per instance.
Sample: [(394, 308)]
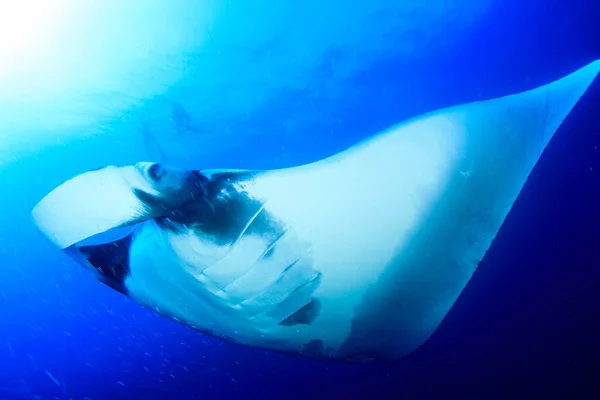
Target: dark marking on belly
[(305, 315), (316, 348), (224, 211)]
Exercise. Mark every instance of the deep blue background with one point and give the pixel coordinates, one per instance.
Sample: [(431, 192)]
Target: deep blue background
[(526, 325)]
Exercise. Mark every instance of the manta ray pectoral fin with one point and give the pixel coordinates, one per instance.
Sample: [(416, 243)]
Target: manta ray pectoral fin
[(529, 119), (364, 274), (88, 204), (490, 148)]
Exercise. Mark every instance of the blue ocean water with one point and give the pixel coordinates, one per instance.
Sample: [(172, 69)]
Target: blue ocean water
[(217, 84)]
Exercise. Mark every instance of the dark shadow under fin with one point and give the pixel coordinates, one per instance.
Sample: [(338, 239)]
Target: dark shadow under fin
[(316, 348)]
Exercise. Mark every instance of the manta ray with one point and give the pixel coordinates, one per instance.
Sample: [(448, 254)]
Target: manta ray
[(356, 257)]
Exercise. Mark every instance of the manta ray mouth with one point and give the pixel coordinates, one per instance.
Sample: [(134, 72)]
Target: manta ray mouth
[(108, 261)]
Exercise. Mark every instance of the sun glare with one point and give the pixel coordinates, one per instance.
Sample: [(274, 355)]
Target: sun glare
[(24, 26)]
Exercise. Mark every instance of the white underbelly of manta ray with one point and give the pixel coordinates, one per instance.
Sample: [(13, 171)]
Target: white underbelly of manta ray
[(357, 257)]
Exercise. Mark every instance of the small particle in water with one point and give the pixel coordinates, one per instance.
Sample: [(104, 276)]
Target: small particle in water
[(233, 380), (52, 378), (32, 362), (121, 384), (10, 349)]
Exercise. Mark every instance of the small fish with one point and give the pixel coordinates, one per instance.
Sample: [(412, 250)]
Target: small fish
[(182, 120)]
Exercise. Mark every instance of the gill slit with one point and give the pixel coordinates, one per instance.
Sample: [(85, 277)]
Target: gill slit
[(239, 237)]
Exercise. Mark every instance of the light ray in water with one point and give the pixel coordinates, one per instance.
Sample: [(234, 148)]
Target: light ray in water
[(153, 148)]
